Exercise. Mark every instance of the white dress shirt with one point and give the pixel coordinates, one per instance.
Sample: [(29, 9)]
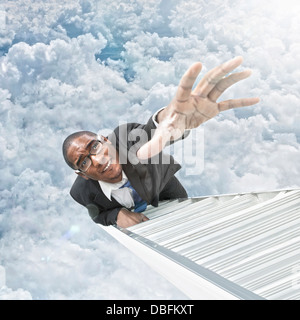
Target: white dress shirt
[(123, 195)]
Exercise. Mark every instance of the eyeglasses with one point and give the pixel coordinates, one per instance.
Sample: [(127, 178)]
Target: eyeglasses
[(87, 161)]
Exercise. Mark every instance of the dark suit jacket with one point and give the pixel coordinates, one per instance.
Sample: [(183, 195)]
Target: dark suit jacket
[(149, 179)]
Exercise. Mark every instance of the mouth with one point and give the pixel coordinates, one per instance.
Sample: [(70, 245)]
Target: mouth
[(107, 166)]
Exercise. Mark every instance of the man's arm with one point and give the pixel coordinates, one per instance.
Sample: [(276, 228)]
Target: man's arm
[(189, 109), (123, 217), (104, 217)]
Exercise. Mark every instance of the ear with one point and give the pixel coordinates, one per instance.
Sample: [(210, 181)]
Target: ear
[(81, 174)]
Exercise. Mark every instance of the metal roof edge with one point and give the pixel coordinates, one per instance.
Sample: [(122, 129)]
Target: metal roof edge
[(225, 284)]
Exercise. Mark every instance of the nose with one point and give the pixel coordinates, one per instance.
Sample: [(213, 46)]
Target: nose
[(98, 159), (101, 157)]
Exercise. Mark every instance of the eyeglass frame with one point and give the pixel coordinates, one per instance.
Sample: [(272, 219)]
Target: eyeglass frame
[(100, 139)]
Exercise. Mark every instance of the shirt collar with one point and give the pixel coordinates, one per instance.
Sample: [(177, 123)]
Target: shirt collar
[(107, 187)]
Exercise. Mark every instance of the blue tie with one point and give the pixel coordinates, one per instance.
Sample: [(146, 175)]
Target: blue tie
[(140, 204)]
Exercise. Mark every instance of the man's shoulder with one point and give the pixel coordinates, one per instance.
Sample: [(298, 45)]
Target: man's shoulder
[(129, 126), (127, 133), (78, 183), (82, 190)]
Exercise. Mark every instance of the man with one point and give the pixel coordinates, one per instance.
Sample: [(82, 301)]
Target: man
[(120, 174)]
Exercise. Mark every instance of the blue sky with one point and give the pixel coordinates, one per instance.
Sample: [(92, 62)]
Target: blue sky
[(89, 65)]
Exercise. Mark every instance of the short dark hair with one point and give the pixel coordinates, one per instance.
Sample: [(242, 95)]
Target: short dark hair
[(69, 140)]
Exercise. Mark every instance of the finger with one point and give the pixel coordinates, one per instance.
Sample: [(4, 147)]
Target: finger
[(227, 82), (213, 76), (237, 103), (187, 81), (144, 218)]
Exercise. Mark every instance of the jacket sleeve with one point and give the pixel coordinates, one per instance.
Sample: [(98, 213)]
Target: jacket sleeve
[(82, 193), (106, 217)]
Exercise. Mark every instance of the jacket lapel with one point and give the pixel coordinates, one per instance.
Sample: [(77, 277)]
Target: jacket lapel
[(136, 174)]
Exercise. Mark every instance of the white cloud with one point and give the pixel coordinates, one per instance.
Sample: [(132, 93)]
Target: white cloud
[(51, 249), (51, 85)]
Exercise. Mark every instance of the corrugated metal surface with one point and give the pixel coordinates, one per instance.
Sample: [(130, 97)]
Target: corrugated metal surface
[(251, 240)]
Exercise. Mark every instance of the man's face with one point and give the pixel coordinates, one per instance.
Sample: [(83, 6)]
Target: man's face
[(104, 166)]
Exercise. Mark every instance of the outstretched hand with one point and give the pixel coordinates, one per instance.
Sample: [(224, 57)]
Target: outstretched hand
[(189, 109)]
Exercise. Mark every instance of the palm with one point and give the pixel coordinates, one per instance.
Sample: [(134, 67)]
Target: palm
[(195, 110), (201, 104)]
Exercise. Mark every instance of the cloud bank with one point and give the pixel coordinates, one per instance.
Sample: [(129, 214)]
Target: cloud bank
[(76, 65)]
